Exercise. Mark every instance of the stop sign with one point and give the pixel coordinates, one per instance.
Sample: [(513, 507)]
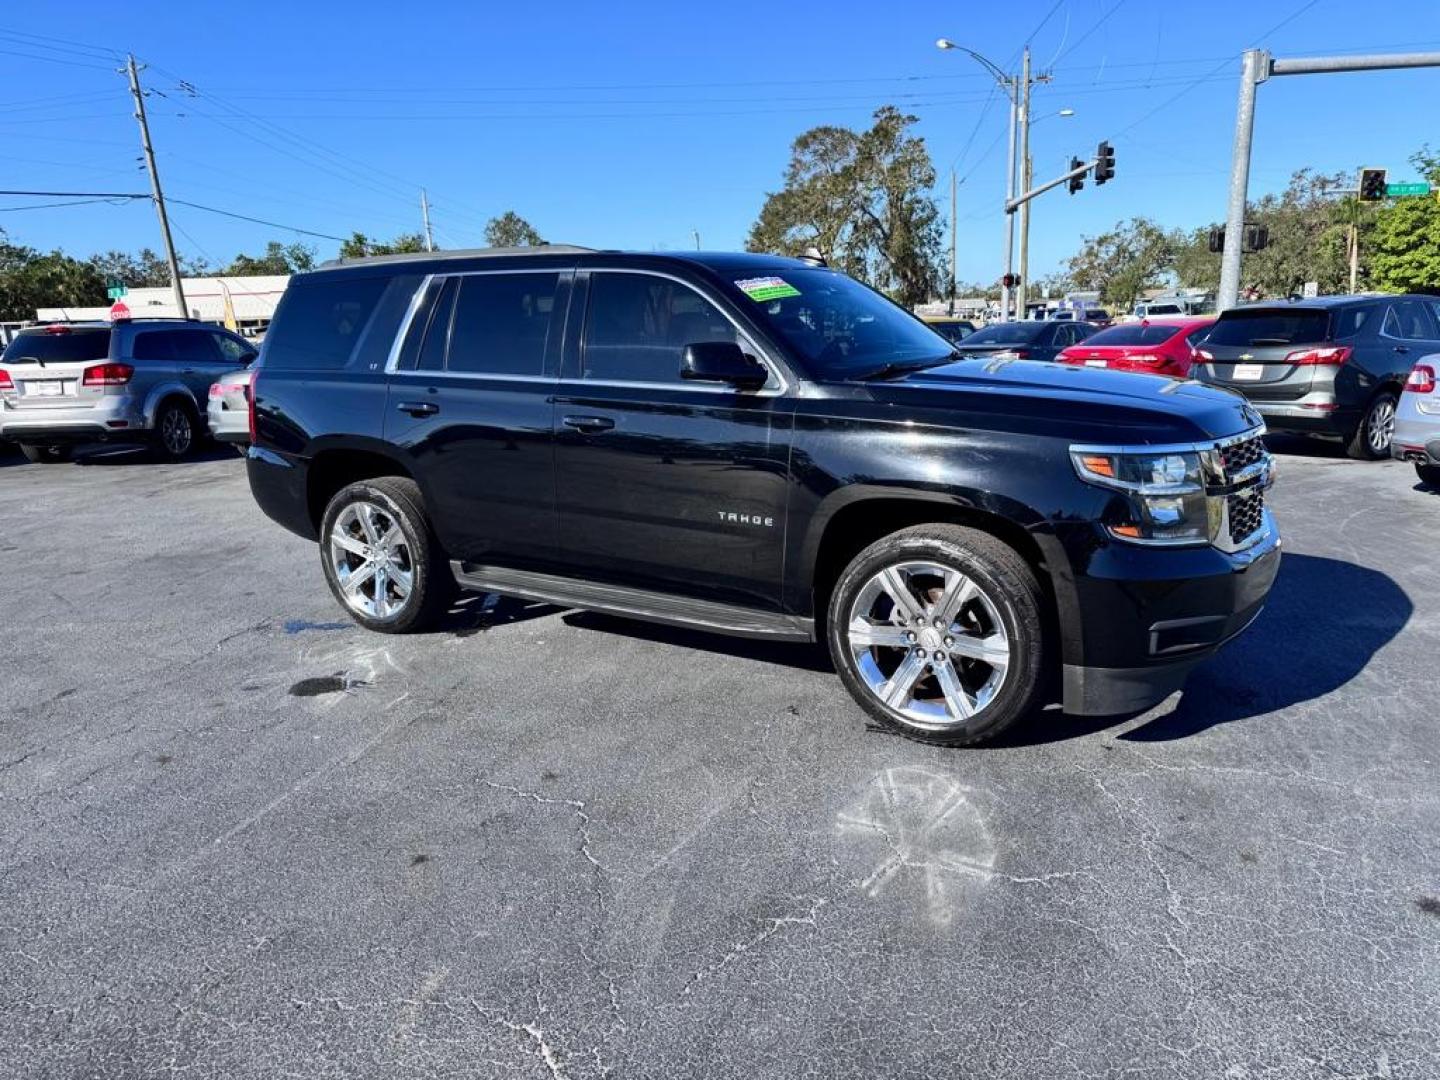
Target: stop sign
[(118, 310)]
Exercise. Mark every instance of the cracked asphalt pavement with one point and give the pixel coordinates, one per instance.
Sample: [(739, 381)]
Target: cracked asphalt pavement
[(240, 837)]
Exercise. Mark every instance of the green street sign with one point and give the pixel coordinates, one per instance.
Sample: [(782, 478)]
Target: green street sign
[(115, 292), (1392, 190)]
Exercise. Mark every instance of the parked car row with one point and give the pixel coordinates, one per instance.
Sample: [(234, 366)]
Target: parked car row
[(133, 380)]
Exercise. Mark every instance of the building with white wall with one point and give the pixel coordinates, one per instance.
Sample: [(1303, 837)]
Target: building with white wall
[(246, 304)]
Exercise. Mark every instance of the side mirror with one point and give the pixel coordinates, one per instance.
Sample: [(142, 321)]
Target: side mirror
[(247, 359), (722, 361)]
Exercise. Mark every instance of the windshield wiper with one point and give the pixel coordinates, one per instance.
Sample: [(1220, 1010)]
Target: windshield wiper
[(894, 370)]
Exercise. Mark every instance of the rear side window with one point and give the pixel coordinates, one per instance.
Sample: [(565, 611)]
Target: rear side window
[(153, 345), (1134, 334), (1350, 321), (319, 322), (1269, 328), (60, 347), (501, 323), (638, 325), (196, 347)]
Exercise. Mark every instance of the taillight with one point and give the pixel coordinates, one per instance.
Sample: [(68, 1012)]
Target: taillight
[(107, 375), (5, 383), (250, 403), (1145, 358), (1421, 380), (1204, 357), (1331, 357)]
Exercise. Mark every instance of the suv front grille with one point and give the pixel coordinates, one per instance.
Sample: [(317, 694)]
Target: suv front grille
[(1246, 513), (1242, 455)]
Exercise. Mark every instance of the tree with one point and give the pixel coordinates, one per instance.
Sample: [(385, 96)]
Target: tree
[(1406, 238), (147, 269), (30, 280), (1132, 256), (359, 245), (863, 199), (511, 230), (278, 259)]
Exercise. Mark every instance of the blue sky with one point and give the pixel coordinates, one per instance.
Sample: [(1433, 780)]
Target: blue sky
[(632, 123)]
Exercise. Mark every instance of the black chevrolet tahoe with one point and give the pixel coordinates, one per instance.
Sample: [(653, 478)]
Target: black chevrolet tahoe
[(761, 446)]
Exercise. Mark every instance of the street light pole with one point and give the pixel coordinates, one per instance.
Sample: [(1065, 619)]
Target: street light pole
[(953, 206)]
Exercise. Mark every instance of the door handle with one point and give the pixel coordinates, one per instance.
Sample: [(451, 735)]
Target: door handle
[(1402, 348), (187, 371), (588, 424), (418, 409)]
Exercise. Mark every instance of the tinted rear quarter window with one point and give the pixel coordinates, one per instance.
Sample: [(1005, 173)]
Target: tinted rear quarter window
[(69, 347), (319, 322), (1263, 328)]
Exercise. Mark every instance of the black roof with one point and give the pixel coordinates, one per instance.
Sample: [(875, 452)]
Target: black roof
[(1324, 303), (717, 261)]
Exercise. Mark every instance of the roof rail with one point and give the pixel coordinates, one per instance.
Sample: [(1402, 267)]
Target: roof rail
[(462, 253)]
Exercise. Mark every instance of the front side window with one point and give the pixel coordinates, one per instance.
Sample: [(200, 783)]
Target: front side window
[(195, 347), (637, 327), (501, 323), (153, 345)]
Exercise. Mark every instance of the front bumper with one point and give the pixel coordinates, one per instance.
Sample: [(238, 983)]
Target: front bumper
[(1152, 614), (117, 417)]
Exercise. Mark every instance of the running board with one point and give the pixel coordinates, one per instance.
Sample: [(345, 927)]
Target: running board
[(634, 603)]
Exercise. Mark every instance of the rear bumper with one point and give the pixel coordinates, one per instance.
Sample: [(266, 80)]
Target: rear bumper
[(118, 417), (1152, 615), (1313, 414), (278, 483), (228, 425), (1416, 440)]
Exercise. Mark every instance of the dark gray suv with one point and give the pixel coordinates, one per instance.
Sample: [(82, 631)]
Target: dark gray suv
[(1332, 366)]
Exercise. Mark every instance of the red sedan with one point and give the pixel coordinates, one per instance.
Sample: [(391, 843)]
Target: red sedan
[(1155, 346)]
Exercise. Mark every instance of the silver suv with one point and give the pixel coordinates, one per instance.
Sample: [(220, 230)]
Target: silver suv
[(141, 380)]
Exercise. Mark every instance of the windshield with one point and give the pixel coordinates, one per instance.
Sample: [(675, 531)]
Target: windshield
[(1134, 334), (58, 347), (1269, 327), (839, 326), (1012, 333)]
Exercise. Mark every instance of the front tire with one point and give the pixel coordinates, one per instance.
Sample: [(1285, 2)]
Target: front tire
[(1429, 475), (381, 558), (1371, 440), (46, 455), (938, 632)]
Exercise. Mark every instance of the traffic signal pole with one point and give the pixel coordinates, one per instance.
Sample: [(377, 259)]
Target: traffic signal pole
[(1025, 84), (1024, 197), (1256, 66), (1005, 293)]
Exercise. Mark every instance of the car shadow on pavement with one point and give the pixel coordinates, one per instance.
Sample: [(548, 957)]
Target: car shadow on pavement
[(1323, 623), (784, 653), (135, 454), (477, 613), (1306, 446)]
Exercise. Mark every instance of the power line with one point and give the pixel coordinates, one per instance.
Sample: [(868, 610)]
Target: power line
[(79, 194), (255, 220), (1093, 27), (73, 202)]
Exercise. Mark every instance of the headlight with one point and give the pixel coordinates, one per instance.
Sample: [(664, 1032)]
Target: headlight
[(1165, 492)]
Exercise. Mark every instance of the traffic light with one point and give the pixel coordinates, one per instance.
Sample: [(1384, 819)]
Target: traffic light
[(1257, 237), (1372, 185), (1217, 238), (1078, 181), (1105, 166), (1009, 281)]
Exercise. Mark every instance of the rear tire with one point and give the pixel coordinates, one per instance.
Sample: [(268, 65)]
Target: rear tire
[(381, 558), (1429, 475), (46, 455), (1371, 439), (177, 430), (965, 660)]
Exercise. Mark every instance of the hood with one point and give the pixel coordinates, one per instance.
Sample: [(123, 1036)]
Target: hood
[(1090, 404)]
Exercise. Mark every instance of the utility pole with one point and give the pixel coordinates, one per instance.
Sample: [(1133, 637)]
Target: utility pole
[(953, 204), (155, 192), (425, 217), (1257, 66), (1009, 196), (1025, 83)]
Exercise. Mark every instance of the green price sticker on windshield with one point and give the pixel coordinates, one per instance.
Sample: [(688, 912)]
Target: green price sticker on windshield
[(763, 289)]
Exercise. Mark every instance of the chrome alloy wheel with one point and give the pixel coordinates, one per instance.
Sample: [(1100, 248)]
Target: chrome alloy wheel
[(1380, 428), (372, 561), (929, 643), (176, 432)]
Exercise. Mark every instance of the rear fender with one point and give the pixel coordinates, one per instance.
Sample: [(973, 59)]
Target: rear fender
[(168, 389)]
